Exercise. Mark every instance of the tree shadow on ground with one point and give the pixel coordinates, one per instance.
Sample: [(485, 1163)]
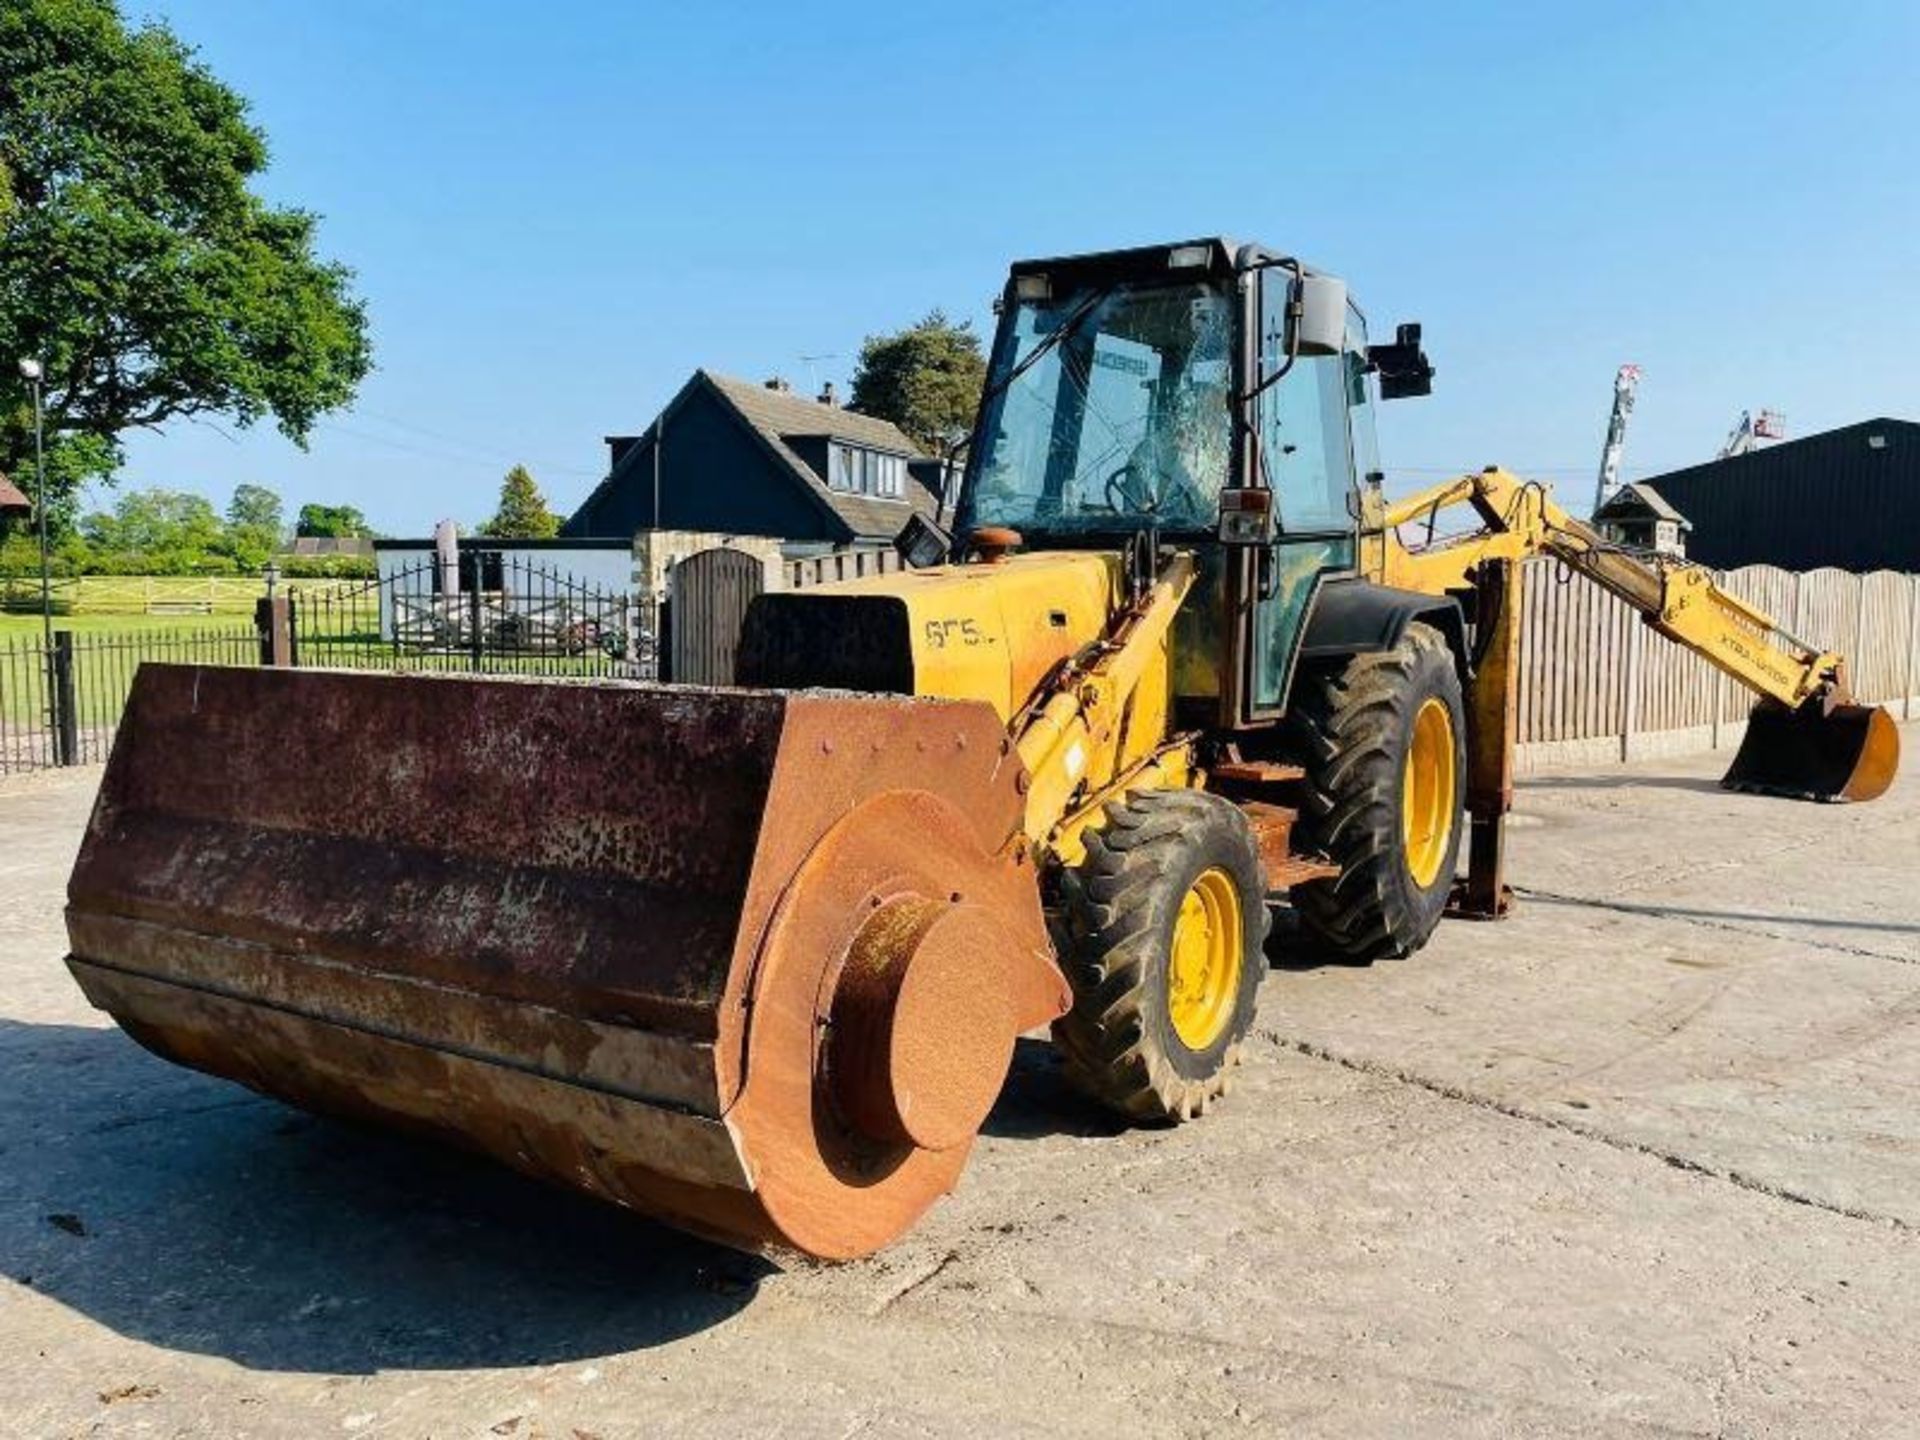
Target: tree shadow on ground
[(188, 1213)]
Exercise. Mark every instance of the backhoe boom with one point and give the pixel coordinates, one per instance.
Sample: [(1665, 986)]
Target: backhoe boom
[(1831, 748), (1681, 601)]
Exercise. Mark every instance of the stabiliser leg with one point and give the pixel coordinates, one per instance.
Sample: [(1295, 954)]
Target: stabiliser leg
[(1492, 726)]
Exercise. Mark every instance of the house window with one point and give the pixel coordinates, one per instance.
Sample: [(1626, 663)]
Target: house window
[(481, 570), (868, 472)]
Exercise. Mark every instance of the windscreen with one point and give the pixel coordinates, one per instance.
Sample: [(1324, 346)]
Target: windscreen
[(1108, 411)]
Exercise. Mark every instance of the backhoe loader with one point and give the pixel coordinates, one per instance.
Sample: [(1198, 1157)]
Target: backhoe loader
[(753, 960)]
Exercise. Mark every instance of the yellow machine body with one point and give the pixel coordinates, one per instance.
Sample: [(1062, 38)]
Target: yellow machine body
[(1050, 640), (992, 632)]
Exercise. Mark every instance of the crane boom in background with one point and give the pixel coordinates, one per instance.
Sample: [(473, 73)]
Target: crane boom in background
[(1750, 429), (1626, 381)]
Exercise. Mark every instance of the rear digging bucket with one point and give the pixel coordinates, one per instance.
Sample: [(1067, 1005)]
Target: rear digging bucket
[(1848, 752)]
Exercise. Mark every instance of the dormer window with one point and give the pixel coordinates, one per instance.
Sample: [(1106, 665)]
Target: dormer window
[(860, 471)]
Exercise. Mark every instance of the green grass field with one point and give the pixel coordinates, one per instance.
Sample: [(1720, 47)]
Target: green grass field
[(89, 624), (113, 633), (136, 597), (107, 651)]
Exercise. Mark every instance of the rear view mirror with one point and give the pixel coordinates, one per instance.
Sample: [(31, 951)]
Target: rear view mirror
[(1319, 316), (1403, 366)]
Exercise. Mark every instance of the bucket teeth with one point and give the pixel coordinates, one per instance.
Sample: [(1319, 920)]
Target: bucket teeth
[(1846, 752)]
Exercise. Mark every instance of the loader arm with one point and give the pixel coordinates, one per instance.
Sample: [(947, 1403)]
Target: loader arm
[(1077, 738), (1810, 740)]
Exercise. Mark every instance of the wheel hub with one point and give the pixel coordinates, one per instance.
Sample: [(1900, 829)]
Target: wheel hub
[(1427, 792), (1203, 967)]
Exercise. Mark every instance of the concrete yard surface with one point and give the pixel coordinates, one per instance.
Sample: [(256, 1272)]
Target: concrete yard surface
[(1642, 1160)]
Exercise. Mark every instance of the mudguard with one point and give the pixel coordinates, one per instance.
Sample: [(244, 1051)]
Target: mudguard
[(1352, 616)]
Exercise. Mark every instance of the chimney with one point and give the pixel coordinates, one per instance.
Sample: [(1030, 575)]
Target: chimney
[(828, 398), (776, 383)]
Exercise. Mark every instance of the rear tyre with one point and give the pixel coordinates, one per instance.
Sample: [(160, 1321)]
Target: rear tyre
[(1383, 741), (1160, 931)]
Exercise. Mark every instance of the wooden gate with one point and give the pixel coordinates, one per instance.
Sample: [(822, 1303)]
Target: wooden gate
[(709, 592)]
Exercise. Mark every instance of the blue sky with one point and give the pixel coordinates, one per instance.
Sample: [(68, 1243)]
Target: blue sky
[(557, 212)]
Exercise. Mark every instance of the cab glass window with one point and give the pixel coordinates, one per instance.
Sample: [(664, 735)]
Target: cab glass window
[(1303, 425)]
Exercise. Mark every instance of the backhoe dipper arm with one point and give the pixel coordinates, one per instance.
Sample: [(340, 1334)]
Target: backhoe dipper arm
[(1681, 601)]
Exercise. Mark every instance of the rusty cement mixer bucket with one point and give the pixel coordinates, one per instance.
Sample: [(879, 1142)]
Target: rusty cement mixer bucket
[(1844, 752), (752, 962)]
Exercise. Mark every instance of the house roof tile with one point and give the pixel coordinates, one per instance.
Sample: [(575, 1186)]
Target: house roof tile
[(778, 414), (1640, 490)]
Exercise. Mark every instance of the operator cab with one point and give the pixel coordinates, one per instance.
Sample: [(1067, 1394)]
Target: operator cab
[(1116, 381), (1107, 404), (1205, 392)]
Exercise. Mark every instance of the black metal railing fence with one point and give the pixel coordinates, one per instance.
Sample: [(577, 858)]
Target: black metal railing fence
[(60, 705), (496, 613)]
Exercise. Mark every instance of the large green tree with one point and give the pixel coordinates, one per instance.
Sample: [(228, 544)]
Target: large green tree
[(522, 513), (157, 532), (136, 262), (256, 523), (926, 379), (343, 522), (256, 507)]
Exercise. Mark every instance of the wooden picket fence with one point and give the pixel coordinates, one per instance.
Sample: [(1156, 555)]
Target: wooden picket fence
[(841, 565), (1597, 685), (171, 595), (140, 594)]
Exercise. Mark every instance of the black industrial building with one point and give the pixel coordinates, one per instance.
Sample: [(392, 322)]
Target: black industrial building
[(1849, 498), (748, 459)]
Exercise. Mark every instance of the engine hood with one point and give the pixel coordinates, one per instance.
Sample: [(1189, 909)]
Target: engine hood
[(989, 632)]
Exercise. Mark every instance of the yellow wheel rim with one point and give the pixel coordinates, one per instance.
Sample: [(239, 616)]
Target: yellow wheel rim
[(1203, 972), (1427, 792)]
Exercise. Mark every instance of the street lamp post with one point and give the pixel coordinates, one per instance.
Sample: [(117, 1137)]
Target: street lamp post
[(34, 373)]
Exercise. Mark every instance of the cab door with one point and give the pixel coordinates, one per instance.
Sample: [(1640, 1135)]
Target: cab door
[(1306, 455)]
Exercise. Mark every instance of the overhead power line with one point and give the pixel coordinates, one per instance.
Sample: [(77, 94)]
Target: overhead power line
[(466, 454)]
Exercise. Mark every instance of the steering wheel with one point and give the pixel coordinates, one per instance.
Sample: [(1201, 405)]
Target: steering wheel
[(1117, 491)]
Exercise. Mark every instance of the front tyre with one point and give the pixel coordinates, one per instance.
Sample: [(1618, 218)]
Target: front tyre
[(1383, 741), (1160, 931)]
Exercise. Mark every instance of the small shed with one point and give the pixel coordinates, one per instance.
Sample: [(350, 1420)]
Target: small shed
[(1638, 515)]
